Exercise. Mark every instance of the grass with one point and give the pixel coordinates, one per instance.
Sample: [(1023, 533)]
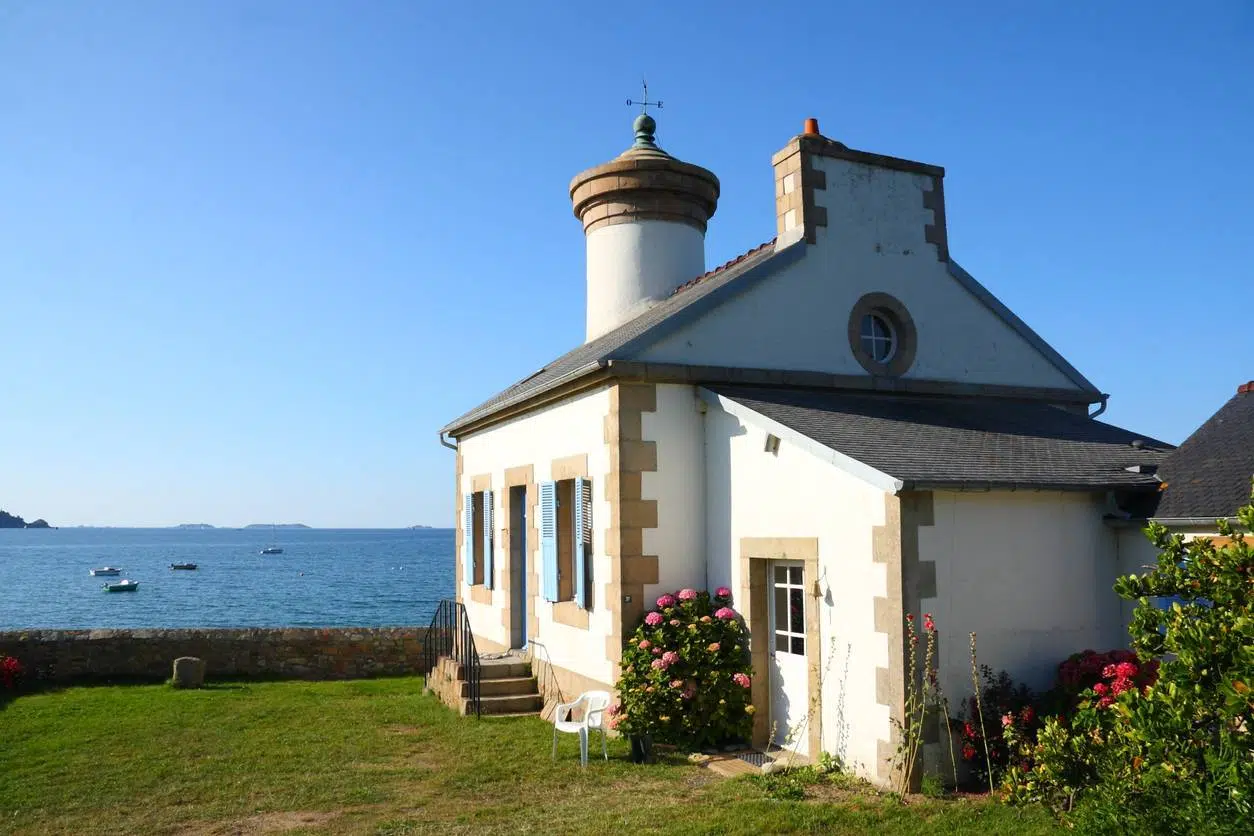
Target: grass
[(378, 757)]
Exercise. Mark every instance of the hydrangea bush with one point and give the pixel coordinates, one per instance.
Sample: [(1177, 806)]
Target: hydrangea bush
[(686, 675)]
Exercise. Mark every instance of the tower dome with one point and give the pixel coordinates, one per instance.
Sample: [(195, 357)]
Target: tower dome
[(644, 216)]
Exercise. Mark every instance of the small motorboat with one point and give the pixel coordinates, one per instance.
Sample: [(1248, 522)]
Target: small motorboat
[(122, 586), (106, 570), (272, 550), (188, 566)]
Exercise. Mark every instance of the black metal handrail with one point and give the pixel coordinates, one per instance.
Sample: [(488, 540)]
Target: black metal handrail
[(450, 635)]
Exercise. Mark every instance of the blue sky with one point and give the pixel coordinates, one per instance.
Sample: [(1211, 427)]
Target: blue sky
[(253, 255)]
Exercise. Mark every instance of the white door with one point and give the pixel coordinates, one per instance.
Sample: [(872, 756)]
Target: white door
[(789, 671)]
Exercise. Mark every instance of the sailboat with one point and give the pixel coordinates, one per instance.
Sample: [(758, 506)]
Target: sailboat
[(272, 549)]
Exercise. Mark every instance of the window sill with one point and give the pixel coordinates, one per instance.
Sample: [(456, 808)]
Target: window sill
[(570, 614)]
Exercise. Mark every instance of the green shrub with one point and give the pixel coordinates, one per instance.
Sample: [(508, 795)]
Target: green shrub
[(686, 674), (1175, 753)]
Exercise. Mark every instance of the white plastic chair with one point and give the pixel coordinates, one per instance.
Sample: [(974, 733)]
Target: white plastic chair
[(594, 704)]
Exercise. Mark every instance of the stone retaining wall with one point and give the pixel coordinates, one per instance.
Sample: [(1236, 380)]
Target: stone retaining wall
[(63, 656)]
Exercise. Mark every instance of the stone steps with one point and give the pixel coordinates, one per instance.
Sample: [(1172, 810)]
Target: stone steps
[(506, 687)]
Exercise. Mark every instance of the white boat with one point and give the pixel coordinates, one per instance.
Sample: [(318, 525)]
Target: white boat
[(106, 570), (121, 586), (272, 549)]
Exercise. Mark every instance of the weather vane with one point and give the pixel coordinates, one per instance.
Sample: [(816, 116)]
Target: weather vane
[(645, 104)]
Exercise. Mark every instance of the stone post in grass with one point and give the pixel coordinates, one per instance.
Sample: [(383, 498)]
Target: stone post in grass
[(189, 672)]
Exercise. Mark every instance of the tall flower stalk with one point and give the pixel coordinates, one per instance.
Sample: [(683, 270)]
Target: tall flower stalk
[(921, 691), (979, 707)]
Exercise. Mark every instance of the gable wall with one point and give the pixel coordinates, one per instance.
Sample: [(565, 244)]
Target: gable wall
[(792, 494), (876, 239)]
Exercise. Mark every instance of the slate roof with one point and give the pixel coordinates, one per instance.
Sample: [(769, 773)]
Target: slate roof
[(1208, 476), (937, 442), (614, 344)]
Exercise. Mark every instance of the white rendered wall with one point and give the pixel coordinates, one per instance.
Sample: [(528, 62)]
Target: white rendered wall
[(678, 429), (1031, 573), (874, 242), (751, 493), (633, 265), (570, 428)]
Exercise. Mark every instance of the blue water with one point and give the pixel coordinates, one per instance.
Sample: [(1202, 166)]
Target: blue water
[(324, 578)]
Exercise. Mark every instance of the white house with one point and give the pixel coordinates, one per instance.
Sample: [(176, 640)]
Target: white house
[(842, 420)]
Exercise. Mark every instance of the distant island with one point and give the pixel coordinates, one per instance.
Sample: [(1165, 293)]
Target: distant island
[(8, 520), (412, 527), (196, 526), (277, 525)]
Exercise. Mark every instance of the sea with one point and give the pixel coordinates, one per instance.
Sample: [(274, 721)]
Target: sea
[(323, 578)]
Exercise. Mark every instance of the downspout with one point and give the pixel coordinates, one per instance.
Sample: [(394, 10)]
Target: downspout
[(451, 446), (1101, 408)]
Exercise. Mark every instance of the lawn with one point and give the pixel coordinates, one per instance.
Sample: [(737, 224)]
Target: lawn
[(379, 757)]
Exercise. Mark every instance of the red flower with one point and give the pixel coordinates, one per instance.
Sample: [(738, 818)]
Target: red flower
[(968, 752), (928, 623), (1100, 689), (1029, 715), (1126, 670)]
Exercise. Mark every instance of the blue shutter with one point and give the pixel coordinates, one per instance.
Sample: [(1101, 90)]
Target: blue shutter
[(487, 539), (468, 539), (583, 538), (548, 539)]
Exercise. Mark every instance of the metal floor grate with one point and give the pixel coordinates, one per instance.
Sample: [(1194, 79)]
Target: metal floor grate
[(754, 758)]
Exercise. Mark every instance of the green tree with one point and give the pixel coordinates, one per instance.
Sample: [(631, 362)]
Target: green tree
[(1186, 745)]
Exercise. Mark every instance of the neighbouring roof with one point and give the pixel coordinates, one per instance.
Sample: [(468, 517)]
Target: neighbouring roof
[(1208, 476), (616, 344), (973, 442)]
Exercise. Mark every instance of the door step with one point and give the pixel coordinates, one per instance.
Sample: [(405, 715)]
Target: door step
[(506, 687)]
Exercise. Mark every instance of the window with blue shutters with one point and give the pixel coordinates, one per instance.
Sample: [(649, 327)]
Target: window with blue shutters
[(488, 539), (468, 539), (548, 539), (582, 507), (477, 538), (566, 541)]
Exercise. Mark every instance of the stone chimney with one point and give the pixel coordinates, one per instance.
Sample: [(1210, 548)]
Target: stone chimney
[(872, 197), (644, 215)]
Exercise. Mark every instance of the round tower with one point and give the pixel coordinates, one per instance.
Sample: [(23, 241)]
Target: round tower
[(644, 215)]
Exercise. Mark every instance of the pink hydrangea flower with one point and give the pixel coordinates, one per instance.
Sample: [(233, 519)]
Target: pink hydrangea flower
[(742, 680), (657, 651), (659, 665), (645, 644), (1126, 670), (1007, 720), (705, 619), (725, 613), (653, 619), (612, 710), (714, 647), (689, 693), (665, 601), (670, 657), (686, 594), (675, 622), (722, 592), (677, 683)]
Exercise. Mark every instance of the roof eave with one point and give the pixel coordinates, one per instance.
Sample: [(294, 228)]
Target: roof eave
[(985, 486), (458, 426)]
